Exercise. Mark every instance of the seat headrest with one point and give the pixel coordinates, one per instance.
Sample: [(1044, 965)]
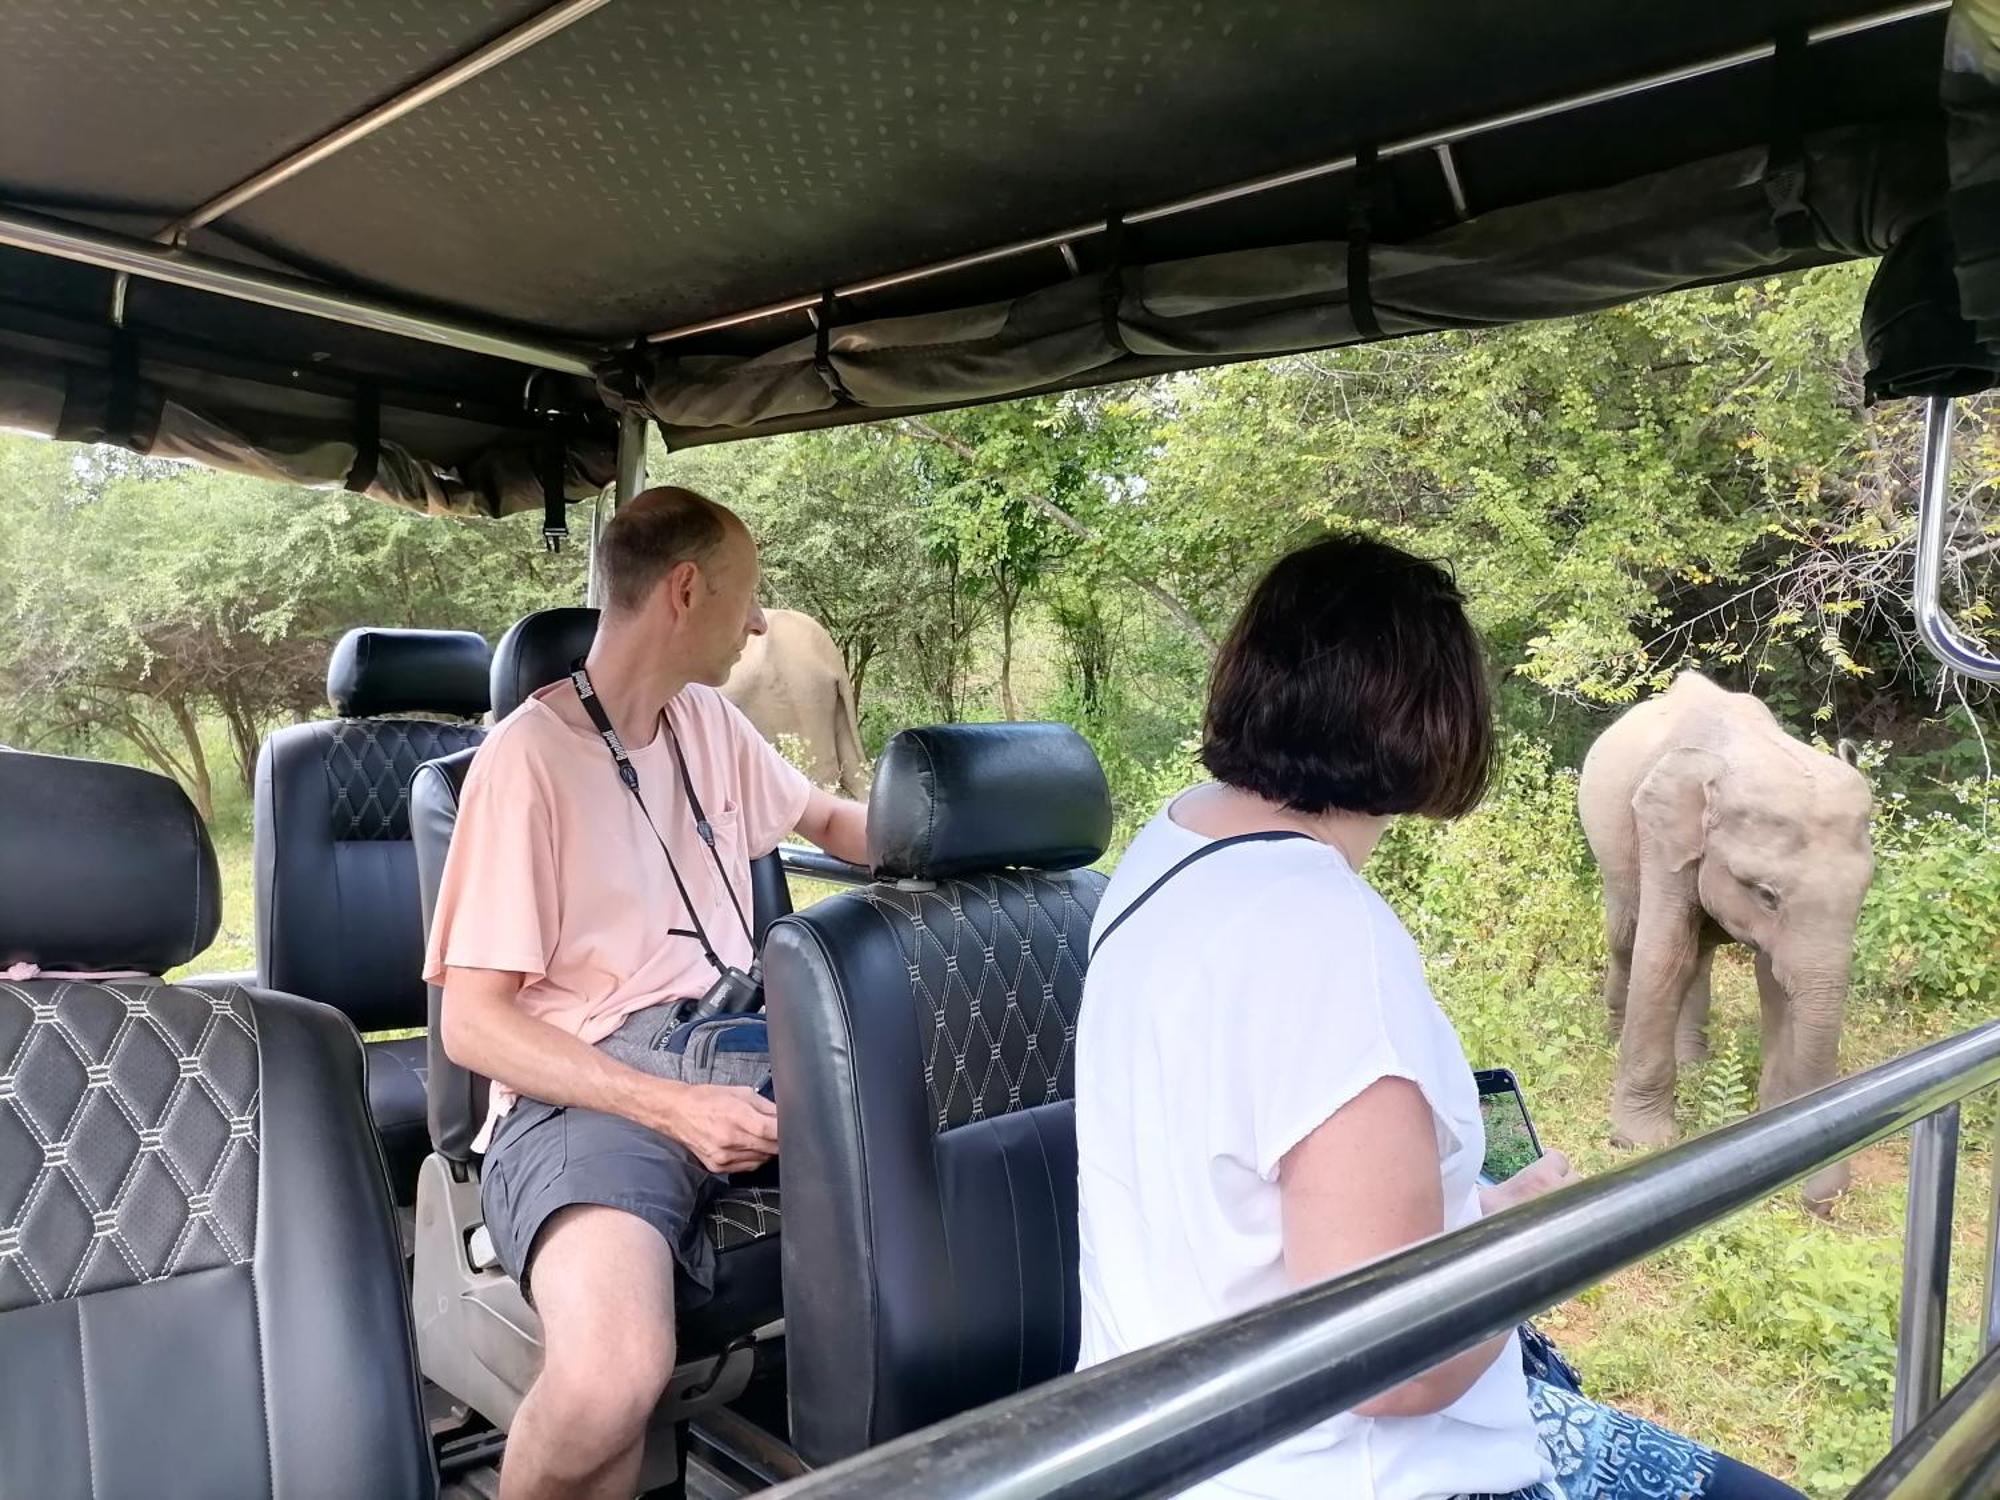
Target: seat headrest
[(374, 671), (539, 649), (104, 867), (956, 799)]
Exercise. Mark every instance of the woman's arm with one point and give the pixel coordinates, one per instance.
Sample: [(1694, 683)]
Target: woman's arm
[(1363, 1185)]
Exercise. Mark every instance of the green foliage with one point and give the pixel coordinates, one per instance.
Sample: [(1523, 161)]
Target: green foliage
[(1503, 904), (140, 598), (1930, 931), (1722, 1089)]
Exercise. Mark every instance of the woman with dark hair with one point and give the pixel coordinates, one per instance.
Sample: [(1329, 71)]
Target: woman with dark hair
[(1267, 1093)]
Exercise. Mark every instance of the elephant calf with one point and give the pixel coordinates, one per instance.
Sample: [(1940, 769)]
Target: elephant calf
[(1711, 824)]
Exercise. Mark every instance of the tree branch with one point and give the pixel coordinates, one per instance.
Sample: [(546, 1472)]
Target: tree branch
[(1184, 616)]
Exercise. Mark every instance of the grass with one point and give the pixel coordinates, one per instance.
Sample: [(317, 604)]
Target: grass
[(1770, 1337)]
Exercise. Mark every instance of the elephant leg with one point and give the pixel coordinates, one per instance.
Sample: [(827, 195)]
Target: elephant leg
[(1691, 1037), (1620, 918), (1665, 954)]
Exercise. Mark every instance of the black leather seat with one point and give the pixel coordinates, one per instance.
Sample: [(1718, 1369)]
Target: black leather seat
[(336, 881), (476, 1300), (201, 1291), (922, 1032)]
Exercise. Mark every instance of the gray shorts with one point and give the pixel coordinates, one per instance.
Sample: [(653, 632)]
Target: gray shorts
[(545, 1157)]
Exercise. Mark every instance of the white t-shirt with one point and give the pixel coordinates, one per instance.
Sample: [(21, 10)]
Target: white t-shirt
[(1256, 993)]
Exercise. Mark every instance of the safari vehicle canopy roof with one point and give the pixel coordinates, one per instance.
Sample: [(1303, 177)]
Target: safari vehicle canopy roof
[(431, 250)]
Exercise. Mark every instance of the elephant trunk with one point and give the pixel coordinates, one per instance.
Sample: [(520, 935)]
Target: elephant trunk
[(1815, 999)]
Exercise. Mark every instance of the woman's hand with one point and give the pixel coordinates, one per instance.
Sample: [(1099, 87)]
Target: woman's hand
[(1545, 1174)]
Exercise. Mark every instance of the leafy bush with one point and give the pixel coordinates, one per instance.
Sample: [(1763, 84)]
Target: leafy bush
[(1504, 904), (1930, 932)]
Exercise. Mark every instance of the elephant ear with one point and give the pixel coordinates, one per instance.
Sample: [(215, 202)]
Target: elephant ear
[(1674, 807)]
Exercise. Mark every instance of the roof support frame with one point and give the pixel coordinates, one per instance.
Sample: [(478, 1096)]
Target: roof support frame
[(1435, 140), (511, 43), (116, 252)]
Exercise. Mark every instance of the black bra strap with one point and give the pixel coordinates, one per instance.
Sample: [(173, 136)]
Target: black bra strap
[(1267, 836)]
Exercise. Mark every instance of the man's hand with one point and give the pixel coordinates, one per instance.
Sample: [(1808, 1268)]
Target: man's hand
[(727, 1129), (1545, 1174)]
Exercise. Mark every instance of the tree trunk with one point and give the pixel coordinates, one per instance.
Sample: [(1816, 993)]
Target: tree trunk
[(1008, 604), (244, 739), (201, 787)]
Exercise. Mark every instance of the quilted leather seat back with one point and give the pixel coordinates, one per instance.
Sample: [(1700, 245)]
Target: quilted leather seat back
[(201, 1289), (923, 1037), (336, 876)]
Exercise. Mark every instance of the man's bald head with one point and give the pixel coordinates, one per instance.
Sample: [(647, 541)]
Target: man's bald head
[(653, 533)]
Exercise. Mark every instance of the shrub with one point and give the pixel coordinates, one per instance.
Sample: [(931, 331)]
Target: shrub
[(1930, 931)]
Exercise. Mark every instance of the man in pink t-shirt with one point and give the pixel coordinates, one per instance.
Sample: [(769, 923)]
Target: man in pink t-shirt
[(563, 937)]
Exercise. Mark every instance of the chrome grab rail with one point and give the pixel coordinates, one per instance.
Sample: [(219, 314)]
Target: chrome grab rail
[(1938, 630), (1158, 1420)]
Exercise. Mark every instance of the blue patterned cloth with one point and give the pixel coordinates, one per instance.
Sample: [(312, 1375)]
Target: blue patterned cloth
[(1602, 1454)]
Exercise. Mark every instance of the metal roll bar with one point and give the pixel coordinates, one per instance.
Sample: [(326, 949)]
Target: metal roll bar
[(1938, 630), (510, 43), (1158, 1420), (814, 865), (1951, 1454), (1438, 141), (204, 273)]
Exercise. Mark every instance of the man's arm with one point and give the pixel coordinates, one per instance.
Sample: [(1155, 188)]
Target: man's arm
[(484, 1029), (838, 826)]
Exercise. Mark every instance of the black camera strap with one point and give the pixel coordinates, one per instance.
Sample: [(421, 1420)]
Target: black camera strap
[(629, 774), (1267, 836)]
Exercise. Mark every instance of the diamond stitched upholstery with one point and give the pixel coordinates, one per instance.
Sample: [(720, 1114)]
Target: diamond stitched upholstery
[(739, 1216), (128, 1135), (995, 961), (369, 763)]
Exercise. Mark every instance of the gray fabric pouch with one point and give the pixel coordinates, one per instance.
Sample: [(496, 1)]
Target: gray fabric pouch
[(730, 1049)]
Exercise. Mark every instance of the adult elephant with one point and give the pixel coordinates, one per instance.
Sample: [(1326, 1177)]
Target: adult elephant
[(1711, 824), (791, 680)]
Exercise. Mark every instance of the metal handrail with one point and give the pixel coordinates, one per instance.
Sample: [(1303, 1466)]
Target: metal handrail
[(1952, 1452), (814, 865), (1937, 629), (1158, 1420)]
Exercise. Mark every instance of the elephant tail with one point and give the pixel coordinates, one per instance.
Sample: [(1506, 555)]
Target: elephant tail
[(847, 751)]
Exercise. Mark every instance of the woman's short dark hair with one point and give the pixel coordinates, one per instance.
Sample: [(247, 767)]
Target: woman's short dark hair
[(1353, 680)]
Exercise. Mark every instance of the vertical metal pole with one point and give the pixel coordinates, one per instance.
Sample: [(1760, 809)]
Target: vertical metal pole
[(1992, 1298), (631, 479), (1926, 1268)]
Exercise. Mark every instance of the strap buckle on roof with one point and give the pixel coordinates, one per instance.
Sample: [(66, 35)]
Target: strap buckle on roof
[(555, 504)]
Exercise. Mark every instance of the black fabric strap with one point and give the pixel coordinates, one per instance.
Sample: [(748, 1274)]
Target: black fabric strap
[(1112, 296), (629, 774), (367, 439), (1268, 836), (555, 513), (1360, 299), (1785, 181), (121, 400), (823, 350)]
